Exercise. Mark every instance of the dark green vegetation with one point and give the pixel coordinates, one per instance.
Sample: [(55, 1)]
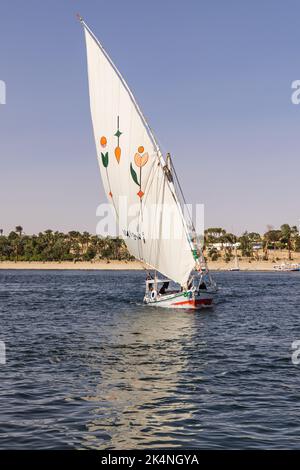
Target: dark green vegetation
[(57, 246)]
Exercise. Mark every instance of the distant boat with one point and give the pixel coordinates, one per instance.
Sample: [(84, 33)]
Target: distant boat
[(134, 171), (287, 267), (236, 266)]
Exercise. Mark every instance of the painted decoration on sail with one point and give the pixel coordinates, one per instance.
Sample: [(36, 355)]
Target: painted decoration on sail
[(118, 148), (140, 159), (105, 160), (132, 171)]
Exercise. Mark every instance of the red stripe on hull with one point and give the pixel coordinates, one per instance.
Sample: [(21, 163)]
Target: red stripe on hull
[(195, 303)]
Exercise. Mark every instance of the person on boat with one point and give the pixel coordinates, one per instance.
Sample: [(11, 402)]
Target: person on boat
[(164, 288), (149, 284)]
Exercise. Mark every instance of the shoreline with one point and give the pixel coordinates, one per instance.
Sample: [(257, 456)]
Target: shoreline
[(70, 265), (128, 265)]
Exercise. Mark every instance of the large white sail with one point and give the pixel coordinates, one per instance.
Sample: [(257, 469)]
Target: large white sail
[(132, 169)]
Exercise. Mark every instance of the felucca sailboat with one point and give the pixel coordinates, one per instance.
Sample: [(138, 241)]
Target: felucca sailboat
[(142, 188)]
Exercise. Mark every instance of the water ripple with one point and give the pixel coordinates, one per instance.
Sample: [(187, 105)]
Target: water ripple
[(90, 367)]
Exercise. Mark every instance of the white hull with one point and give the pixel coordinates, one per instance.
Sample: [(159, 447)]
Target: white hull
[(287, 267), (185, 300)]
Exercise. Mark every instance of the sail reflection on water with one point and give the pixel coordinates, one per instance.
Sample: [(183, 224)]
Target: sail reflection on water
[(139, 400)]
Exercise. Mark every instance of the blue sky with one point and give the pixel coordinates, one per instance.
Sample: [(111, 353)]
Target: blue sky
[(212, 77)]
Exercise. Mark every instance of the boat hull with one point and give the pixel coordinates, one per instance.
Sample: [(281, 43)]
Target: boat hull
[(287, 268), (185, 300)]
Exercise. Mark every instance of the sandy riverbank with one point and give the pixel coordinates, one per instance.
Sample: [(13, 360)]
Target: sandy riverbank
[(219, 265), (122, 265)]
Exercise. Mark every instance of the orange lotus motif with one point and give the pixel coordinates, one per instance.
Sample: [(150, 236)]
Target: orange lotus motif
[(141, 160), (103, 141), (118, 154)]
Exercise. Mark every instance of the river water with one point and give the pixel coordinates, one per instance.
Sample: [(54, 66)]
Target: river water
[(89, 367)]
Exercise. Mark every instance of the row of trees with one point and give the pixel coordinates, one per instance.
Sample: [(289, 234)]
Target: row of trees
[(57, 246), (73, 246), (285, 238)]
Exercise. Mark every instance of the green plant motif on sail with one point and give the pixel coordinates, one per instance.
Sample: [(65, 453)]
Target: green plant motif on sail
[(104, 157), (134, 175)]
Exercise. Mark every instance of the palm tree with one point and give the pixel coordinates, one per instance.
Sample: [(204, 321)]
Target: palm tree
[(254, 237), (85, 240), (19, 229), (295, 236), (228, 240), (270, 239), (286, 237), (118, 245), (246, 245)]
